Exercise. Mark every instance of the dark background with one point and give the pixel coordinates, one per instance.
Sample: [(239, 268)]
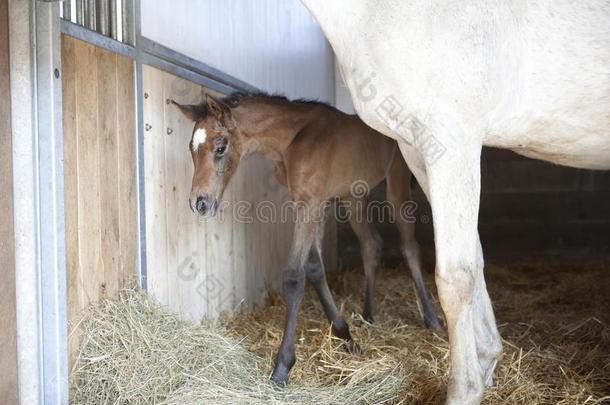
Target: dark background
[(528, 207)]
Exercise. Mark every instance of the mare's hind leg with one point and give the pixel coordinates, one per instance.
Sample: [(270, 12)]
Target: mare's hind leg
[(316, 275), (399, 193), (370, 250)]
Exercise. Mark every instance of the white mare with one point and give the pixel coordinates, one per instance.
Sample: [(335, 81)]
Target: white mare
[(445, 78)]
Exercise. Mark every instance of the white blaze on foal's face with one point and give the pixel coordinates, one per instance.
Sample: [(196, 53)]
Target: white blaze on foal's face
[(199, 138)]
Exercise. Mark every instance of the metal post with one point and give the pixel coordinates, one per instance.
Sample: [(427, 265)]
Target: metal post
[(141, 273), (129, 21), (38, 201), (113, 20), (90, 11), (136, 30), (103, 17), (67, 10), (80, 12)]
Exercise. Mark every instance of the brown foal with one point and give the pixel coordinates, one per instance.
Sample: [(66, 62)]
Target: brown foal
[(319, 153)]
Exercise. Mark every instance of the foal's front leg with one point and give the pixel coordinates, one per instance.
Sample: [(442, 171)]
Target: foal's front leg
[(293, 286)]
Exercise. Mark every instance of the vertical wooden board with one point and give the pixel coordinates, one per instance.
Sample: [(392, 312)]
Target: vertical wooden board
[(99, 174), (223, 244), (244, 268), (8, 332), (89, 225), (109, 170), (239, 267), (182, 268), (154, 169), (128, 221), (219, 236), (195, 294), (70, 144), (219, 245), (199, 296), (258, 243)]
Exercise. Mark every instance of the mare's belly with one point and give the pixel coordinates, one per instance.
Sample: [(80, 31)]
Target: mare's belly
[(569, 143)]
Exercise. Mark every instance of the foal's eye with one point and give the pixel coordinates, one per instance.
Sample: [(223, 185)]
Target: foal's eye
[(220, 150)]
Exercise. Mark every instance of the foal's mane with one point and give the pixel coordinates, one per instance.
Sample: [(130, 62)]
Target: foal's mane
[(234, 99)]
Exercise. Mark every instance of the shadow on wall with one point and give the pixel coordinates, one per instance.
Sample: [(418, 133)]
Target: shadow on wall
[(527, 206)]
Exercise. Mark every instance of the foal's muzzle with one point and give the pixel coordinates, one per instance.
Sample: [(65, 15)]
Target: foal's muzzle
[(204, 205)]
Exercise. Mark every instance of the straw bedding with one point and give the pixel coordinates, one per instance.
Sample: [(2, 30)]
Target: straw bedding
[(554, 316)]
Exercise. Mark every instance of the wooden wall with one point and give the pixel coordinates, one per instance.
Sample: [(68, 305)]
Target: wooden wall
[(99, 173), (195, 267), (202, 267), (8, 327)]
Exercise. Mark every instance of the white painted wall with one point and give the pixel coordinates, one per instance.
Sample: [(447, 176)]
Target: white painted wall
[(343, 99), (275, 45)]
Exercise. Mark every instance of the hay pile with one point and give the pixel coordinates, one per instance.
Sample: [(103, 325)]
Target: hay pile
[(554, 316), (134, 352)]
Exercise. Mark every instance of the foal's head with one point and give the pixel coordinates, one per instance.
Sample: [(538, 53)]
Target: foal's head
[(215, 150)]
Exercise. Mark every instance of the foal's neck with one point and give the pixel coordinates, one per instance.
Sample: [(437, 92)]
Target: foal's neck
[(269, 126)]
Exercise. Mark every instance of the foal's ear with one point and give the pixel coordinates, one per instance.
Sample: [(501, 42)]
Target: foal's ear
[(216, 107), (191, 111)]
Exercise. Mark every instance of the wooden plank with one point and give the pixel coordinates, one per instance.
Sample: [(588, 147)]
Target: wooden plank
[(218, 241), (8, 332), (128, 221), (109, 170), (154, 169), (185, 267), (179, 250), (239, 248), (91, 271), (69, 99), (99, 175), (258, 243)]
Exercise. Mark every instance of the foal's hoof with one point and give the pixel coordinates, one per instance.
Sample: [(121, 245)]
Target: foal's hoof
[(278, 379), (368, 318), (352, 347), (433, 324)]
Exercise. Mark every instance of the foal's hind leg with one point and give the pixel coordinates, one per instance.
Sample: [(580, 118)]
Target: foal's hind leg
[(316, 275), (370, 250), (399, 193)]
